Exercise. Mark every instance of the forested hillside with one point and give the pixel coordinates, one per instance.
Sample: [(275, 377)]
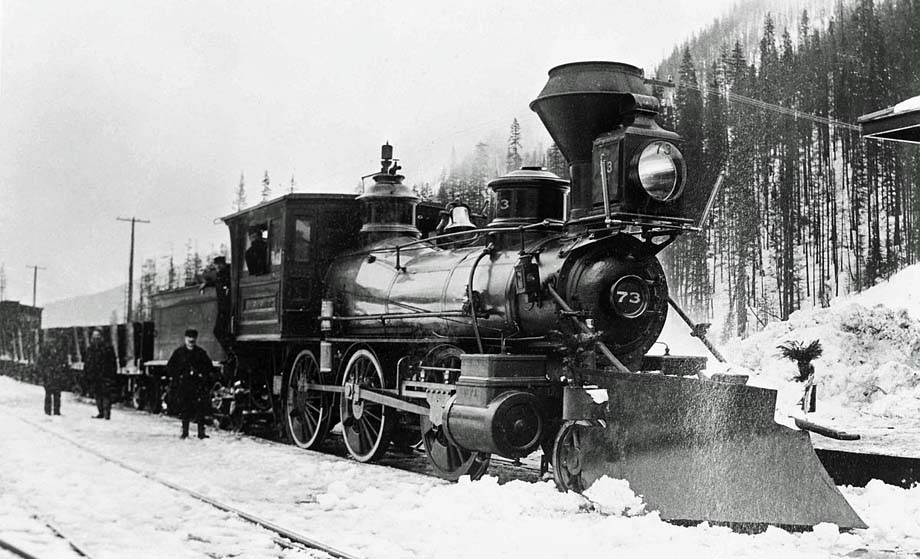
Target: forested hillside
[(808, 209)]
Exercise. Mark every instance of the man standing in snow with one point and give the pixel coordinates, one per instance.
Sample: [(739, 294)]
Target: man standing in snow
[(53, 370), (100, 368), (189, 368)]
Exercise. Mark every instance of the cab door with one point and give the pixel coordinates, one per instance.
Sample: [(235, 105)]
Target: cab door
[(303, 281)]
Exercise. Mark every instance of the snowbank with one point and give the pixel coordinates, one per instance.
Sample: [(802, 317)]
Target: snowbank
[(871, 359), (870, 364)]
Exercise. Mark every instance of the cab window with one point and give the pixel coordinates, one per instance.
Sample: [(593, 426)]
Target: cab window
[(302, 239), (257, 250)]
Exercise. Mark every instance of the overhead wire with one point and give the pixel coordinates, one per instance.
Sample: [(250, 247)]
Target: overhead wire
[(795, 113)]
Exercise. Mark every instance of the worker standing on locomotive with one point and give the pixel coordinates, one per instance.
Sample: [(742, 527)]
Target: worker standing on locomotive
[(100, 367), (53, 370), (189, 369), (218, 276)]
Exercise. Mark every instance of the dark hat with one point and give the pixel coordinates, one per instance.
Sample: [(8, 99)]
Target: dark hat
[(191, 333), (220, 259)]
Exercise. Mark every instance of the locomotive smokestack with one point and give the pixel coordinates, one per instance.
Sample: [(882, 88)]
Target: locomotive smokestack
[(579, 102)]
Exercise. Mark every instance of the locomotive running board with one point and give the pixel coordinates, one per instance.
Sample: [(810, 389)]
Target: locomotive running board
[(696, 451)]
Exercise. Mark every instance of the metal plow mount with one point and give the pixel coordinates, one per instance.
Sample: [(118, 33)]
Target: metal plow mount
[(698, 451)]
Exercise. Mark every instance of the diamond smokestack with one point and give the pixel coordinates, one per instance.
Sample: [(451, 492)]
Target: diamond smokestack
[(579, 102)]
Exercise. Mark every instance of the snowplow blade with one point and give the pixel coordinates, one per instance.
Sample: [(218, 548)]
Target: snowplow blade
[(697, 451)]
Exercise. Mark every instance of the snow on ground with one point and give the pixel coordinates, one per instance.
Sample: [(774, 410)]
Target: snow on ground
[(868, 377), (104, 509), (21, 528), (373, 510)]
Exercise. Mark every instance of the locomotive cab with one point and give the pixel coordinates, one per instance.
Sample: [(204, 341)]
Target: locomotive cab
[(279, 251)]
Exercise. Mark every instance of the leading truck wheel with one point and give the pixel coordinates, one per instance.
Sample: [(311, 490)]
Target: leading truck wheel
[(306, 412), (450, 461), (568, 458), (365, 424)]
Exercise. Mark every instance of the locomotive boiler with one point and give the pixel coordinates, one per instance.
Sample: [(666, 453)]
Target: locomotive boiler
[(400, 323)]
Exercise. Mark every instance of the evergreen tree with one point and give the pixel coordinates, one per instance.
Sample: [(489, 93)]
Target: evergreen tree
[(239, 201), (513, 158), (266, 187), (689, 258), (172, 276), (556, 163), (148, 287)]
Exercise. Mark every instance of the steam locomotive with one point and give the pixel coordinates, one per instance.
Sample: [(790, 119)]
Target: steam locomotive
[(529, 333)]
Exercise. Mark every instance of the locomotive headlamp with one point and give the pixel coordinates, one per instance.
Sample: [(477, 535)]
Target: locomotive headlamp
[(661, 171)]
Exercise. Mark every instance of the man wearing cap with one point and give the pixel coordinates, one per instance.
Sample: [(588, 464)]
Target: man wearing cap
[(190, 369), (100, 367)]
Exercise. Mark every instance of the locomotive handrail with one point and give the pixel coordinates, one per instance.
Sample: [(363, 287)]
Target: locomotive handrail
[(479, 231), (487, 251), (392, 316), (668, 224)]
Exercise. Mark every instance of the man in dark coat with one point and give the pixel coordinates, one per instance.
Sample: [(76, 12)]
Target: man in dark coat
[(189, 369), (218, 276), (100, 366), (53, 369), (257, 254)]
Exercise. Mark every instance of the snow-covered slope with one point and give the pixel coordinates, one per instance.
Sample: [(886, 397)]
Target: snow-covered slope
[(871, 359), (83, 310)]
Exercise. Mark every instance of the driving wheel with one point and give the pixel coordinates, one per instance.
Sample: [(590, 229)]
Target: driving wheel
[(365, 425), (306, 411)]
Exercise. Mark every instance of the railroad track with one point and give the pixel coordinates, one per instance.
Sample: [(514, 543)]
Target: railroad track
[(285, 537), (290, 539), (15, 550), (19, 552)]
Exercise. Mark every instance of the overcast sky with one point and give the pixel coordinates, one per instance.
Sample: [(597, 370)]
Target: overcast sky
[(120, 108)]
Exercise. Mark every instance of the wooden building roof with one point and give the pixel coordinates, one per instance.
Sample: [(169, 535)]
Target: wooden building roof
[(900, 123)]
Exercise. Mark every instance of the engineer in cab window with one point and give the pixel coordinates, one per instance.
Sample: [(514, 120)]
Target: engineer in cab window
[(257, 253)]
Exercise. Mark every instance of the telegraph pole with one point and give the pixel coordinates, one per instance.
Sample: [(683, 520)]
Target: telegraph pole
[(133, 220), (35, 270)]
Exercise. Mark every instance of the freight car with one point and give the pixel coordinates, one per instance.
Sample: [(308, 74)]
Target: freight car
[(20, 336), (527, 334), (132, 343)]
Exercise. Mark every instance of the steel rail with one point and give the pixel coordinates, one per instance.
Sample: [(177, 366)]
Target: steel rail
[(15, 550), (57, 532), (261, 522), (51, 526)]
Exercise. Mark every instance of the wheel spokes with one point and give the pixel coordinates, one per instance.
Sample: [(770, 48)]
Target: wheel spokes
[(366, 432), (306, 409), (450, 461)]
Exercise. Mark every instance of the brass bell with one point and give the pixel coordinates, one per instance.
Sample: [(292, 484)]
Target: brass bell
[(459, 219)]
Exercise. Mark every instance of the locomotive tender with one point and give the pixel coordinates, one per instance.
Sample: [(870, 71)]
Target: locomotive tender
[(528, 333)]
